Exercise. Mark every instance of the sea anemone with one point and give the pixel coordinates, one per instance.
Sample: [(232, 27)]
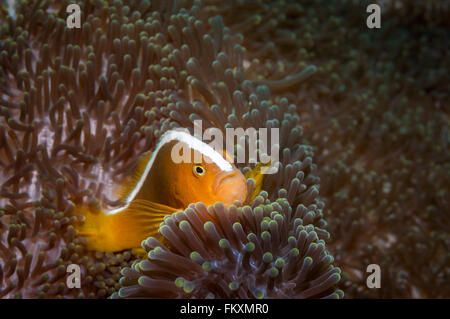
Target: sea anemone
[(264, 251), (376, 115), (273, 247), (79, 107), (55, 151)]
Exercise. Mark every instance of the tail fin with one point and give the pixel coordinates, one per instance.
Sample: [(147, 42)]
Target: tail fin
[(125, 229)]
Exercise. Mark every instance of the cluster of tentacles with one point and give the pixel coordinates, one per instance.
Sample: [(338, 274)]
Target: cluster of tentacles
[(78, 107), (376, 112)]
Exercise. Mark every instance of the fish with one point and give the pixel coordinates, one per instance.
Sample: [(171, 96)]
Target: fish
[(161, 185)]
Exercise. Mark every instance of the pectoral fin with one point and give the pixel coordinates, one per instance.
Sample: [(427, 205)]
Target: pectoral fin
[(125, 229), (257, 176)]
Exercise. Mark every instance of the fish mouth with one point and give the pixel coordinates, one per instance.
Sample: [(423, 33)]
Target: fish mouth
[(221, 179)]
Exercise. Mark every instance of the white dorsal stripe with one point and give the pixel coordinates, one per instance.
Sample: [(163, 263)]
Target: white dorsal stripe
[(183, 137)]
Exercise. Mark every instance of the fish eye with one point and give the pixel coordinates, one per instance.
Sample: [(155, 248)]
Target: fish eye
[(198, 170)]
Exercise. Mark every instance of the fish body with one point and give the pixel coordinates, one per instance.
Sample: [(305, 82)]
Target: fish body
[(162, 185)]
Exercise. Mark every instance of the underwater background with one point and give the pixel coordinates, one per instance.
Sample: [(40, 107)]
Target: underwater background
[(364, 145)]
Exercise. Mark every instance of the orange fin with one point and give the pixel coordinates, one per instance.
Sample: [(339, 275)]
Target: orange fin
[(125, 229), (139, 252), (131, 181), (258, 177)]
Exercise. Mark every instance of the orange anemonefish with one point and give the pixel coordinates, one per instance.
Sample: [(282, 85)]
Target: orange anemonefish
[(159, 187)]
